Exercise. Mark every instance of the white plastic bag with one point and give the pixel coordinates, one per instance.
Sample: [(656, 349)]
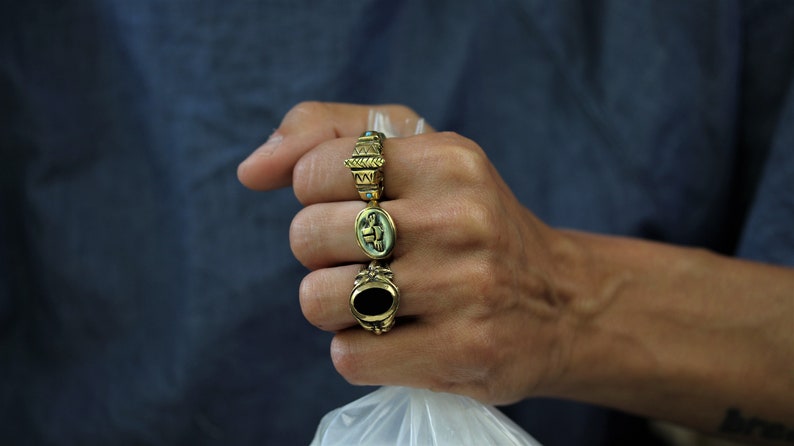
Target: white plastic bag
[(415, 417)]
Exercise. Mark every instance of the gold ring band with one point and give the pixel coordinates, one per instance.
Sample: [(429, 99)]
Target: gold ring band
[(375, 298), (366, 165)]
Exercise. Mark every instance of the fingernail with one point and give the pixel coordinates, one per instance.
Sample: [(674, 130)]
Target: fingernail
[(270, 145), (265, 150)]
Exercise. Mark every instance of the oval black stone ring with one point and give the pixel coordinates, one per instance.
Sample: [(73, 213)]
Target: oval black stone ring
[(375, 298)]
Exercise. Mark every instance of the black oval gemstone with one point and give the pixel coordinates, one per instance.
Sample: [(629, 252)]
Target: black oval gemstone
[(373, 301)]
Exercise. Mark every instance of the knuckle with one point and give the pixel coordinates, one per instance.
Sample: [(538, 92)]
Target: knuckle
[(467, 222), (466, 162), (346, 362), (313, 308), (483, 344), (312, 171), (303, 177), (306, 108), (483, 280), (300, 181), (470, 168), (467, 368), (480, 221), (300, 238)]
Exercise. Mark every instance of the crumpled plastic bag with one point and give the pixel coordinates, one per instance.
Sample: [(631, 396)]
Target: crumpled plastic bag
[(417, 417)]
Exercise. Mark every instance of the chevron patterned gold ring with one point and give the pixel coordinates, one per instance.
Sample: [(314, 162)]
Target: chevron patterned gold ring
[(366, 164), (375, 298)]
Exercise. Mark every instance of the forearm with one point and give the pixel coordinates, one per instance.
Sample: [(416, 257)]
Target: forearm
[(680, 334)]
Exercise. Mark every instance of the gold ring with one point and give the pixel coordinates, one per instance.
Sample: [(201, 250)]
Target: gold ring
[(375, 298), (375, 231), (366, 165)]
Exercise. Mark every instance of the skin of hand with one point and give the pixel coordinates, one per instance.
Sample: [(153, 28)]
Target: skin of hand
[(499, 306)]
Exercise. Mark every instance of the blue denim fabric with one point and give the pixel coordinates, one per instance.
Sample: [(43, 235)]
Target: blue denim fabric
[(148, 298)]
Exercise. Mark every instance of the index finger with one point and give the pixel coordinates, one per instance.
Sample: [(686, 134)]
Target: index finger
[(304, 127)]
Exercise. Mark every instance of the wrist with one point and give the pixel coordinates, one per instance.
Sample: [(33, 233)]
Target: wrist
[(582, 287), (673, 333), (622, 306)]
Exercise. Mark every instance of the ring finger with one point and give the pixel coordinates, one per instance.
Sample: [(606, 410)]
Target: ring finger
[(324, 293)]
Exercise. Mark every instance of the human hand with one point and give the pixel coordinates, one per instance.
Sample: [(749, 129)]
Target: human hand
[(481, 313)]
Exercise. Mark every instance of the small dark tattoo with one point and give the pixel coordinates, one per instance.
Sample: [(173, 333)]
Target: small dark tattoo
[(736, 423)]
